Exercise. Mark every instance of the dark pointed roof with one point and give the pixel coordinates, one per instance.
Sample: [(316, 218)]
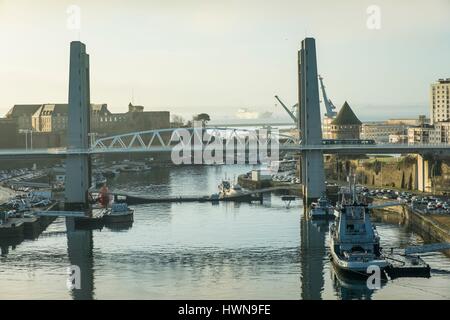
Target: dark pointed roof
[(346, 116)]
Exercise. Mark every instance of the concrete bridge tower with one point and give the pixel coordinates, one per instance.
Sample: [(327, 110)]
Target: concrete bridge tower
[(312, 168), (78, 165)]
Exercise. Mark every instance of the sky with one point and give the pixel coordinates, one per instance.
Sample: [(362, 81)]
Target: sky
[(192, 56)]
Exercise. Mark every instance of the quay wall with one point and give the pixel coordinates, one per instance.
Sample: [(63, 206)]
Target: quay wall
[(425, 225), (390, 172)]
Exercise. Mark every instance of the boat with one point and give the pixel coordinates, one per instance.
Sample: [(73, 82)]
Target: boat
[(110, 173), (130, 169), (354, 241), (135, 168), (244, 113), (282, 165), (119, 213), (322, 209), (233, 192), (99, 180), (10, 227), (228, 189)]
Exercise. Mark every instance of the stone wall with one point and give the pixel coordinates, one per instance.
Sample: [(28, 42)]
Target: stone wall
[(390, 172), (396, 173)]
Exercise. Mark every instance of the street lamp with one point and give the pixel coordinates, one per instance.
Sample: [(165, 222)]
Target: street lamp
[(92, 136), (26, 131)]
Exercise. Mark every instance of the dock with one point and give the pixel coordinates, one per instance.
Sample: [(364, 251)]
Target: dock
[(403, 265), (134, 200), (91, 220), (246, 196), (26, 226)]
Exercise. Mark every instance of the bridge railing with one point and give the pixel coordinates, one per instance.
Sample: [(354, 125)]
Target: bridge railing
[(167, 138)]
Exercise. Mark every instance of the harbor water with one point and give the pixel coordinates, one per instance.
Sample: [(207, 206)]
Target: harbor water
[(202, 251)]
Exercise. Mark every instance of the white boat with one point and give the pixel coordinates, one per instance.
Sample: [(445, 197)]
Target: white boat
[(247, 114), (135, 167), (282, 166), (354, 241), (228, 189), (322, 209)]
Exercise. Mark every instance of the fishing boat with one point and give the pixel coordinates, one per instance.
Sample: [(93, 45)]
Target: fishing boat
[(322, 209), (119, 213), (354, 241)]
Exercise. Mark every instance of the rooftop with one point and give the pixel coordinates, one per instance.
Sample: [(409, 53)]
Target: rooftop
[(346, 116), (22, 109)]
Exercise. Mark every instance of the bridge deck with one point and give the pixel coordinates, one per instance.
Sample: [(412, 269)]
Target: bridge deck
[(326, 149)]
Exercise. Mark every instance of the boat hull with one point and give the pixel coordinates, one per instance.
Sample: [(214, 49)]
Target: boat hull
[(321, 214), (119, 218), (12, 231), (357, 269)]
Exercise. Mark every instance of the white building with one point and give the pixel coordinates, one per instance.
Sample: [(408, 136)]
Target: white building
[(380, 131), (326, 127), (440, 101), (443, 131), (424, 134), (398, 138)]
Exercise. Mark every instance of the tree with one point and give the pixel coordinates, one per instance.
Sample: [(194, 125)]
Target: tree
[(204, 117), (177, 120)]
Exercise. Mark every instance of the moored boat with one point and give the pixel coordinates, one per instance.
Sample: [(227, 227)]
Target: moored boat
[(10, 228), (119, 213), (354, 241), (227, 189), (322, 209), (233, 192)]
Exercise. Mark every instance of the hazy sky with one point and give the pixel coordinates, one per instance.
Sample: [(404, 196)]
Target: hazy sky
[(190, 56)]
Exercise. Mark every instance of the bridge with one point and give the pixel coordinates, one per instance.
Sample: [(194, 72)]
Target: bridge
[(310, 147), (120, 147)]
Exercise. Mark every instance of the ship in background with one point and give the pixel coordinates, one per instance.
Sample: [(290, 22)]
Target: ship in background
[(247, 114)]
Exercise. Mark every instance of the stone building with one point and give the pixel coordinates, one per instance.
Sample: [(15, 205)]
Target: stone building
[(8, 133), (136, 119), (49, 123), (21, 114), (54, 117), (346, 125)]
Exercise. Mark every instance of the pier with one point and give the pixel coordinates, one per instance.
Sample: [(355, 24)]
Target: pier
[(244, 196)]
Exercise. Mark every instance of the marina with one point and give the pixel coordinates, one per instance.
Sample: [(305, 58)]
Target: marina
[(230, 239), (224, 157)]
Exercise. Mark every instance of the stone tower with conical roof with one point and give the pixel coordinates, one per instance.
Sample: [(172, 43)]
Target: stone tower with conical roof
[(346, 125)]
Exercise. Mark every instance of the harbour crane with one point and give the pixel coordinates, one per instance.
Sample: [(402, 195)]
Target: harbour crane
[(290, 112), (331, 113)]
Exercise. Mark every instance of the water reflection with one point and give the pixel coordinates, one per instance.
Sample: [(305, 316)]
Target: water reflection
[(350, 289), (5, 245), (79, 249), (313, 253), (199, 250)]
